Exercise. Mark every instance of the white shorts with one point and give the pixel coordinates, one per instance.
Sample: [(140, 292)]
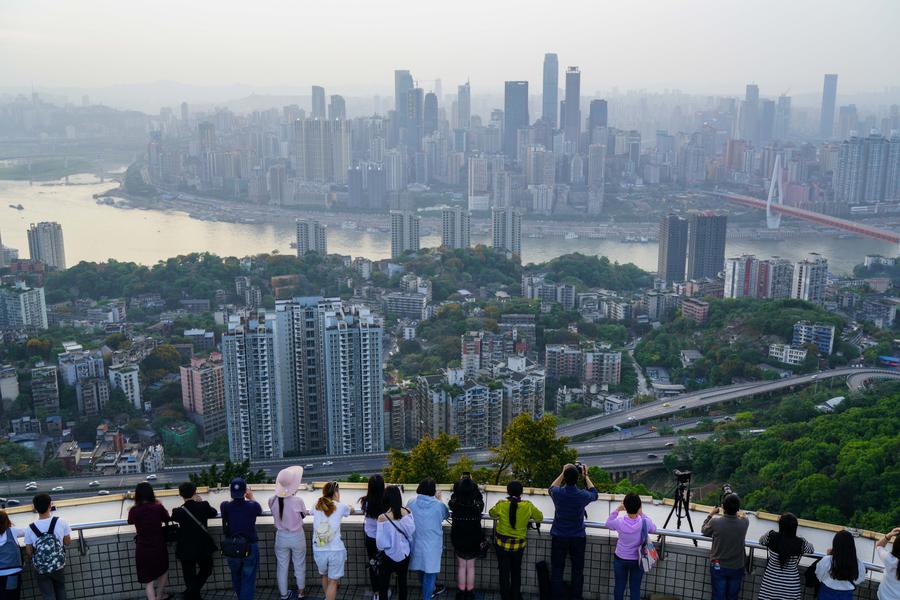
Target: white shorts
[(330, 562)]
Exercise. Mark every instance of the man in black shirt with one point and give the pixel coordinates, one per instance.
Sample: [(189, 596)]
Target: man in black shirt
[(195, 545)]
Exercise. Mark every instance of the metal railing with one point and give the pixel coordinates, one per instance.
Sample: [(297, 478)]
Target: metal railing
[(663, 535)]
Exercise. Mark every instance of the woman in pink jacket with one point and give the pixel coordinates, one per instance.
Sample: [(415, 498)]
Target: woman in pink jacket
[(626, 564)]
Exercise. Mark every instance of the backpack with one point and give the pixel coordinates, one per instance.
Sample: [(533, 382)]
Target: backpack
[(49, 554), (323, 533)]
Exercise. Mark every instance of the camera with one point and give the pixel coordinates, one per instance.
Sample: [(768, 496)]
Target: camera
[(581, 467), (726, 490), (682, 476)]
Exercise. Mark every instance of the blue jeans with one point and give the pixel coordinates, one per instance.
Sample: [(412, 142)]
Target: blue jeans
[(630, 572), (243, 573), (428, 581), (573, 547), (726, 583), (826, 593)]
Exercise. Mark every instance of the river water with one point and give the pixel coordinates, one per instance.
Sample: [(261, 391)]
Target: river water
[(97, 232)]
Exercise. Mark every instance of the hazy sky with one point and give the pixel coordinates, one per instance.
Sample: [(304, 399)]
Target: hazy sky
[(352, 46)]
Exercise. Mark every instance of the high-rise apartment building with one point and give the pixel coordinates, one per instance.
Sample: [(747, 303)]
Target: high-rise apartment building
[(312, 236), (819, 334), (868, 170), (572, 117), (782, 127), (750, 114), (673, 236), (774, 278), (252, 407), (203, 394), (22, 307), (597, 115), (45, 389), (810, 278), (829, 98), (430, 117), (515, 115), (45, 244), (318, 103), (506, 230), (337, 108), (706, 245), (456, 227), (126, 377), (404, 232), (550, 90), (403, 82)]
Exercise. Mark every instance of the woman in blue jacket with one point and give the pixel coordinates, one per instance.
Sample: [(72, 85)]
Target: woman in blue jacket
[(428, 539)]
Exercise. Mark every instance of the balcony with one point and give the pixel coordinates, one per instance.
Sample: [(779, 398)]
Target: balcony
[(101, 555)]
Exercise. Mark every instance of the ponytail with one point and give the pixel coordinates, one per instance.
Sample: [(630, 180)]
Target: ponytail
[(325, 504), (280, 507), (514, 491)]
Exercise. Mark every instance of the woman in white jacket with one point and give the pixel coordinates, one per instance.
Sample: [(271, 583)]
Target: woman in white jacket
[(395, 531)]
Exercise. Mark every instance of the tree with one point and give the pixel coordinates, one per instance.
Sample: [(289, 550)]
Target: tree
[(429, 458), (214, 477), (531, 452)]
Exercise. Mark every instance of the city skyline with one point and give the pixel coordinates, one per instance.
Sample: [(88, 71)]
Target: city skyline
[(199, 56)]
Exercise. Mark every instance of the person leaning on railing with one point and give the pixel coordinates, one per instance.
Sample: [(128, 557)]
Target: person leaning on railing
[(151, 555), (429, 511), (726, 556), (784, 548), (840, 571), (631, 528), (513, 516), (195, 547), (890, 583), (567, 534)]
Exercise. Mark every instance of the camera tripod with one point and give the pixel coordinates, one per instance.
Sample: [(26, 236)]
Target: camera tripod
[(681, 506)]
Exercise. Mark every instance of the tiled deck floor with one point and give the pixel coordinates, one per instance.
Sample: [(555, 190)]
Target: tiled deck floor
[(344, 593)]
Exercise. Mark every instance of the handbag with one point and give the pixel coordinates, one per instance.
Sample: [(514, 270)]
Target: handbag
[(213, 546), (648, 552), (377, 561), (809, 576), (234, 546)]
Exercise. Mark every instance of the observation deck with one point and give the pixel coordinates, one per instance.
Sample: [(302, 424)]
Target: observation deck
[(101, 555)]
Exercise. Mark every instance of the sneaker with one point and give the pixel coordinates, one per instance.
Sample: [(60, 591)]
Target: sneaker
[(438, 590)]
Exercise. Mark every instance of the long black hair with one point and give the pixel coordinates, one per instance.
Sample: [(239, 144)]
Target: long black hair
[(514, 493), (373, 501), (896, 552), (393, 501), (785, 542), (844, 564), (143, 493)]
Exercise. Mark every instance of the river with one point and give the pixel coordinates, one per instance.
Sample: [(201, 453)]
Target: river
[(96, 232)]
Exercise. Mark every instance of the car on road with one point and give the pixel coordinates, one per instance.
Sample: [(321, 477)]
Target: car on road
[(151, 477), (631, 418), (30, 488), (103, 493), (308, 466), (670, 444), (693, 438), (651, 455), (94, 484), (666, 404), (682, 407), (327, 463), (12, 502), (58, 488)]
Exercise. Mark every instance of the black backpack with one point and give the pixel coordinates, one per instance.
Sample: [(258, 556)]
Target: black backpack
[(233, 546)]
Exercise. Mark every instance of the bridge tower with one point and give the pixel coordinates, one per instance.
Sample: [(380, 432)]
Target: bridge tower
[(776, 195)]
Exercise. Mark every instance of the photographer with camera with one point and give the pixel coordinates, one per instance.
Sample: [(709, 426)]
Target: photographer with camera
[(728, 533), (567, 533)]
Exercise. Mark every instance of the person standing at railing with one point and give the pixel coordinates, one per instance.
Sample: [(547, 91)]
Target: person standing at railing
[(372, 505), (567, 533), (329, 551), (151, 555), (890, 581), (10, 559), (45, 543), (840, 571), (288, 511), (513, 516), (630, 527), (239, 522), (466, 534), (726, 556), (784, 548), (394, 536), (195, 545), (428, 539)]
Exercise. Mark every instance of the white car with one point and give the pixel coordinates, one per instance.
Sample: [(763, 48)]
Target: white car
[(94, 484), (103, 493), (309, 466), (151, 477), (12, 502), (327, 463), (58, 488), (30, 488)]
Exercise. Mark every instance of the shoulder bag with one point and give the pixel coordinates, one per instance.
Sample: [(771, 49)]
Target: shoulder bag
[(648, 554)]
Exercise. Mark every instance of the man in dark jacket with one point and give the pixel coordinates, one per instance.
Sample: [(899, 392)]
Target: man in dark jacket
[(567, 534), (195, 545), (727, 553)]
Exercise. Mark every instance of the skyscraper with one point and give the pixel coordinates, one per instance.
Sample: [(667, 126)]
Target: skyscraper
[(597, 116), (203, 394), (414, 121), (810, 278), (22, 307), (318, 102), (46, 245), (506, 230), (868, 170), (515, 115), (464, 106), (404, 232), (312, 236), (742, 277), (829, 98), (403, 82), (673, 235), (706, 245), (550, 98), (782, 118), (353, 386), (252, 407), (572, 118), (337, 108), (750, 113), (456, 227), (430, 118)]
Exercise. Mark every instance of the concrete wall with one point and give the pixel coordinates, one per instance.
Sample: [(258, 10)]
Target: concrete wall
[(107, 569)]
